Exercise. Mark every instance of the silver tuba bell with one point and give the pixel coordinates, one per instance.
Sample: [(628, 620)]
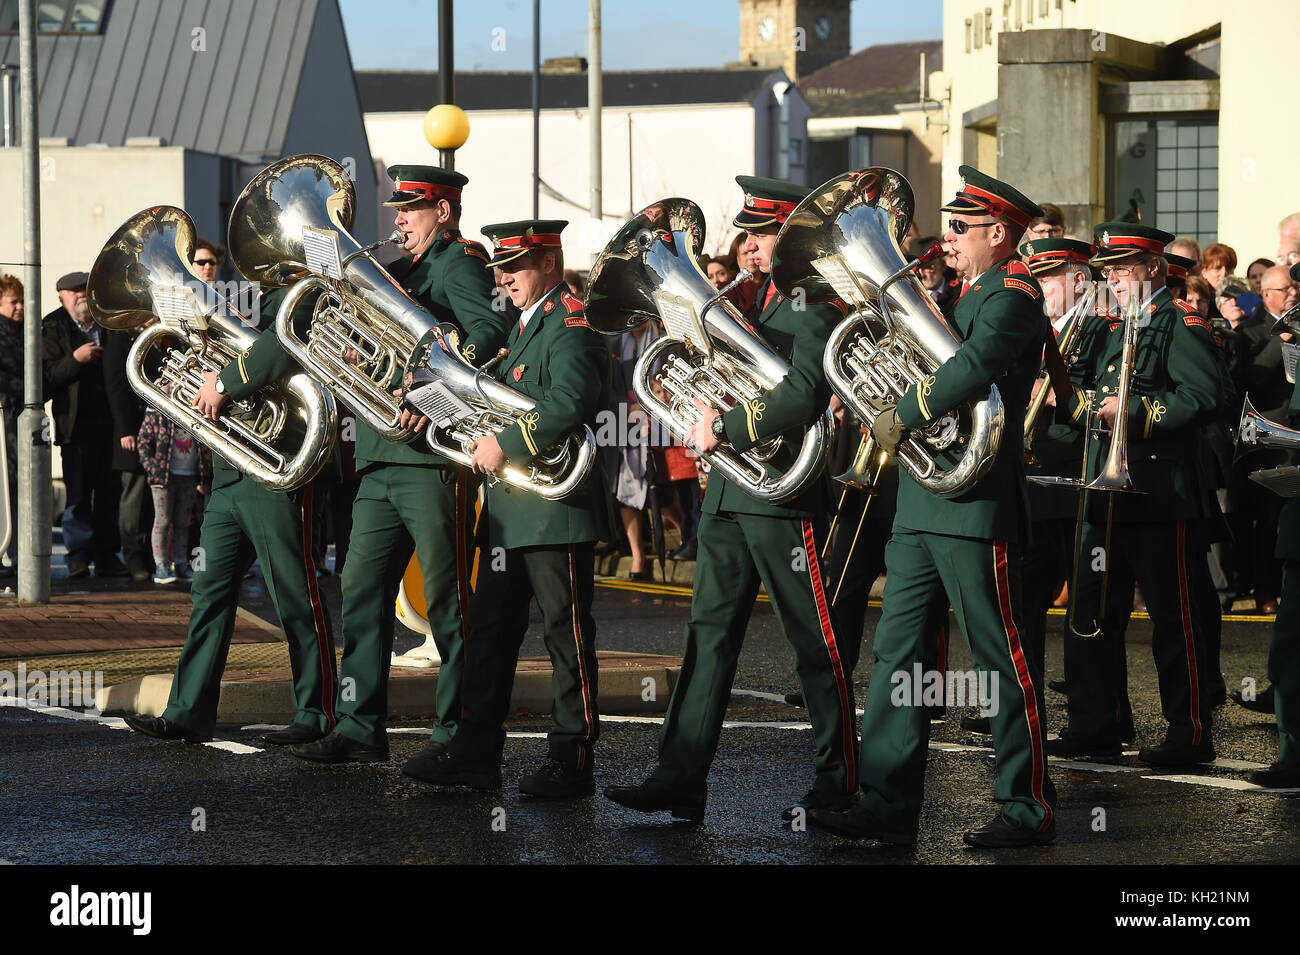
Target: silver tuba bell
[(650, 269), (292, 220), (280, 436), (842, 241)]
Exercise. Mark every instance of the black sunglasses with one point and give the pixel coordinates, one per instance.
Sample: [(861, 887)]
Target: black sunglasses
[(205, 261), (960, 226)]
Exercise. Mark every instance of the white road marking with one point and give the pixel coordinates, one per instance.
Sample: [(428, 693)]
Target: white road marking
[(229, 746), (759, 695), (1218, 783), (117, 723), (1093, 767), (265, 727)]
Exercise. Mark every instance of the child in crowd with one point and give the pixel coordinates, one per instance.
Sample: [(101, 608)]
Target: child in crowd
[(177, 467)]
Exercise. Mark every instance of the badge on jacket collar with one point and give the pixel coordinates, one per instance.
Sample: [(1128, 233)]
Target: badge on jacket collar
[(546, 309), (519, 372)]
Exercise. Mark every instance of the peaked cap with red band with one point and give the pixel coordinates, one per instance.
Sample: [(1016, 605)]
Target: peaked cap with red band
[(1043, 255), (1118, 240), (983, 195), (413, 183), (767, 201), (510, 240), (1180, 266)]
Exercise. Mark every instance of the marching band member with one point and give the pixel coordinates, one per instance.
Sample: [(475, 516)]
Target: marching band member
[(411, 499), (534, 547), (965, 547), (743, 541), (1175, 388)]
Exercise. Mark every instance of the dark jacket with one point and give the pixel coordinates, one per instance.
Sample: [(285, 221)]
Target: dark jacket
[(11, 364), (77, 389), (124, 404), (154, 450)]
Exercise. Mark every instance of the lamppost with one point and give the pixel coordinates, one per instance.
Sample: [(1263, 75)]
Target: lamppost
[(446, 127)]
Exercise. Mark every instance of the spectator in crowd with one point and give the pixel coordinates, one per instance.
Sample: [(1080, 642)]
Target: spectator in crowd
[(1188, 248), (630, 465), (207, 259), (83, 429), (134, 511), (576, 281), (1255, 272), (1288, 240), (1218, 261), (11, 396), (1198, 294), (938, 278), (176, 467), (718, 272), (743, 295), (1050, 225)]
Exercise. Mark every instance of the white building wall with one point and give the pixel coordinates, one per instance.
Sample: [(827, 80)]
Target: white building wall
[(1259, 38), (691, 151)]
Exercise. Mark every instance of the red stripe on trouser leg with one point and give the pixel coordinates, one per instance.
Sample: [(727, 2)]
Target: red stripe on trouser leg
[(462, 570), (1189, 639), (324, 650), (582, 659), (1039, 769), (828, 637)]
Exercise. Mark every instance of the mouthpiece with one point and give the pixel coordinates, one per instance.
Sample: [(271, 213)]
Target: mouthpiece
[(933, 252)]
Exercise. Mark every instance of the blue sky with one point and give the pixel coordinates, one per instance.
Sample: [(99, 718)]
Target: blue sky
[(638, 35)]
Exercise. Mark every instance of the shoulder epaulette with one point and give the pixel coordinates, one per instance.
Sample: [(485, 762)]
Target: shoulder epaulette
[(473, 248), (1186, 306), (1027, 287), (1196, 321), (576, 320), (572, 304), (839, 304), (1016, 267)]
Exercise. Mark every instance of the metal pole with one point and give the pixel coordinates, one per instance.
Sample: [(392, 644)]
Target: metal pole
[(446, 72), (594, 104), (34, 532), (537, 103), (631, 202)]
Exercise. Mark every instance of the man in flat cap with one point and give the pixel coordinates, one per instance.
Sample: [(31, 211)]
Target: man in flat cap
[(1151, 537), (72, 345), (744, 542), (411, 499), (534, 547), (966, 546)]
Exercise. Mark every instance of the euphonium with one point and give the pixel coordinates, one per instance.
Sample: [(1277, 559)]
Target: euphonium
[(293, 220), (280, 436), (464, 403), (1256, 431), (842, 241), (649, 270)]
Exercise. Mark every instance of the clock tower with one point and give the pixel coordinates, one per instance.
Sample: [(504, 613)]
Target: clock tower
[(797, 35)]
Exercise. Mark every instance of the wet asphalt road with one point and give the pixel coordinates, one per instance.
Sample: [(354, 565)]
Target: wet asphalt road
[(82, 792)]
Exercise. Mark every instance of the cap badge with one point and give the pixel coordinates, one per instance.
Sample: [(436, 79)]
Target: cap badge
[(749, 200), (1105, 237), (1029, 247)]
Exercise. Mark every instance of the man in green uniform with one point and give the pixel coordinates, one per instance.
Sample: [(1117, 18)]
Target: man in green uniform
[(243, 520), (1284, 651), (966, 546), (1153, 539), (410, 498), (744, 541), (534, 547)]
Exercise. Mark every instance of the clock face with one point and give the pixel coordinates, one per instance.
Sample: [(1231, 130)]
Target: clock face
[(822, 28), (767, 29)]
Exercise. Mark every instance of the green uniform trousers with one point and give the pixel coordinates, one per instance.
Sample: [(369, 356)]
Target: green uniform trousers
[(400, 509), (1284, 665), (244, 520), (1161, 556), (735, 552), (1046, 562), (983, 584), (561, 578)]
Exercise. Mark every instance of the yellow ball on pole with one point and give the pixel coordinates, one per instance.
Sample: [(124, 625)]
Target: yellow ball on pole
[(446, 127)]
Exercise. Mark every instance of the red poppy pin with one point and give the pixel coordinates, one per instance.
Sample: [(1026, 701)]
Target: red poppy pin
[(446, 235), (519, 372)]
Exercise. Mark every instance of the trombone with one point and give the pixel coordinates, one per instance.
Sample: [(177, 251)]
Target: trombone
[(1075, 319)]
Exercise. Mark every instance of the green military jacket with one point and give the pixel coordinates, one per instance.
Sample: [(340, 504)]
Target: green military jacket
[(798, 333), (450, 280), (1002, 327), (1288, 522), (1176, 388), (563, 364)]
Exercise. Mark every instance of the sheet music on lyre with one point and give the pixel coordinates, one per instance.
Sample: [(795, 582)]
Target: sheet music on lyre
[(1283, 481), (682, 320), (1290, 354), (439, 404), (179, 305), (320, 249)]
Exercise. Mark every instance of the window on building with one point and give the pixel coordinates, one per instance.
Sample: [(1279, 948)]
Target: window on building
[(8, 16), (1169, 166), (57, 16)]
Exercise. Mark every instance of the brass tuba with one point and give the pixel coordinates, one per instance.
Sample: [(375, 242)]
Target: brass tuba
[(842, 241), (650, 269), (280, 436), (293, 220)]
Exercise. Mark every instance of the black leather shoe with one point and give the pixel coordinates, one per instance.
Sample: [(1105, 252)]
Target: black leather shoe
[(1070, 746), (159, 728), (795, 698), (294, 733), (818, 799), (557, 780), (858, 823), (111, 568), (1277, 776), (446, 769), (1218, 694), (649, 798), (337, 748), (1058, 686), (976, 724), (78, 568), (1003, 833), (1177, 754), (1262, 703)]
